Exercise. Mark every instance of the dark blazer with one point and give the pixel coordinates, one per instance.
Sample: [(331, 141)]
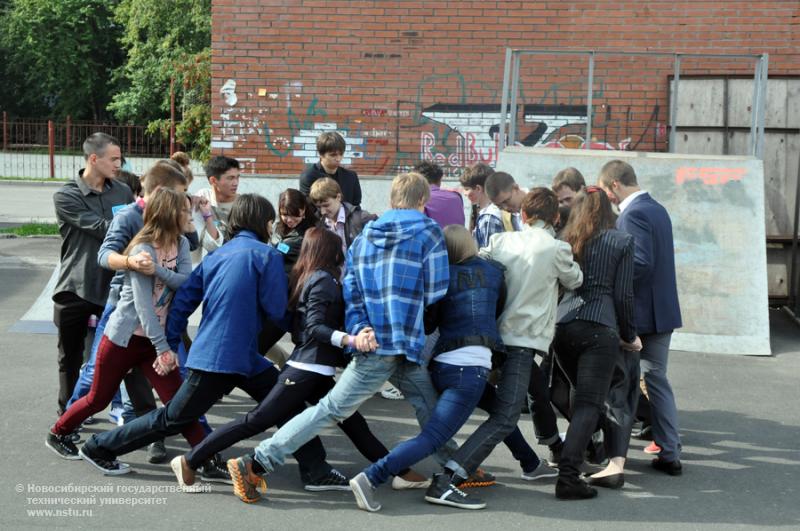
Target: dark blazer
[(655, 287), (320, 311), (606, 295), (354, 221), (347, 179)]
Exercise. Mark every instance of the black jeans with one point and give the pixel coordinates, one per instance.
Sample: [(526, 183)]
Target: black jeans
[(587, 352), (71, 315), (295, 388), (544, 418), (198, 393)]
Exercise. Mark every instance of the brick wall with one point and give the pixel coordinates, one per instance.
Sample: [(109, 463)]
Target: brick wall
[(405, 80)]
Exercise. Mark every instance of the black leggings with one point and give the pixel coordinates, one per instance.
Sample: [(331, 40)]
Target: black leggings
[(295, 388)]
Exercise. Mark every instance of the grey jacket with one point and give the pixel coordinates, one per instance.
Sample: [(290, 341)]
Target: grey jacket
[(83, 219), (135, 304)]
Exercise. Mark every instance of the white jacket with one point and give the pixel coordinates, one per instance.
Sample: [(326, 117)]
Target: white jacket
[(535, 263)]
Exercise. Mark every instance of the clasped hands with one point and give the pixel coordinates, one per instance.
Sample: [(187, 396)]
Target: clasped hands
[(365, 340), (165, 363)]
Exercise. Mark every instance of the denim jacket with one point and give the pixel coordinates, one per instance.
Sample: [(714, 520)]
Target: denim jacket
[(467, 315)]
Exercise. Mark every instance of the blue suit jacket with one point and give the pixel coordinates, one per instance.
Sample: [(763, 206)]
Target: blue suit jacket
[(655, 289)]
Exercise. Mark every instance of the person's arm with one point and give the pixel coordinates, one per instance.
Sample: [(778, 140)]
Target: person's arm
[(356, 317), (319, 297), (487, 251), (273, 290), (307, 179), (637, 225), (185, 302), (72, 211), (488, 225), (356, 189), (623, 294), (142, 288), (432, 317), (174, 279), (567, 270), (120, 233), (435, 269), (209, 236)]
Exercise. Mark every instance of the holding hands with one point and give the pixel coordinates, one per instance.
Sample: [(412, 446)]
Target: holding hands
[(165, 363), (635, 346), (365, 341), (141, 263)]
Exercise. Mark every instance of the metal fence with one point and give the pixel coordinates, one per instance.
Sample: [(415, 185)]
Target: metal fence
[(36, 148)]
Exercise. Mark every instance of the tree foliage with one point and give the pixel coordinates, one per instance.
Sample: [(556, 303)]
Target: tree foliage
[(166, 41), (56, 57)]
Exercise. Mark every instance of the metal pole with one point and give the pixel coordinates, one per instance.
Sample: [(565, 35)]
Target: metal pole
[(754, 107), (171, 116), (673, 104), (51, 147), (587, 144), (504, 101), (794, 300), (69, 126), (762, 107), (5, 130), (512, 130)]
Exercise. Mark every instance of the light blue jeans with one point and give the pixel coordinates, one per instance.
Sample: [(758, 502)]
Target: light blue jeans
[(364, 375)]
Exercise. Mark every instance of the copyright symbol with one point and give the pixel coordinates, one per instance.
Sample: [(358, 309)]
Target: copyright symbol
[(19, 488)]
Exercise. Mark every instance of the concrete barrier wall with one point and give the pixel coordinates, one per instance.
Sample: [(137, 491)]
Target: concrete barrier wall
[(717, 208)]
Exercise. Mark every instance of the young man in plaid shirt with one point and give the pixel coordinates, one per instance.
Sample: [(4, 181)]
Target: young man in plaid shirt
[(395, 268)]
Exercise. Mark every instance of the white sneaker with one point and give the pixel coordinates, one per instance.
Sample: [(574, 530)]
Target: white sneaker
[(392, 393), (399, 483), (177, 469)]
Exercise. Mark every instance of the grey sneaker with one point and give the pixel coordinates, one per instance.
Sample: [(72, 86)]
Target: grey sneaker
[(443, 492), (62, 445), (157, 452), (364, 493), (335, 480), (542, 471)]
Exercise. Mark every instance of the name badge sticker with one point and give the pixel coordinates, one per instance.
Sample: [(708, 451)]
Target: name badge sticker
[(282, 248), (116, 208)]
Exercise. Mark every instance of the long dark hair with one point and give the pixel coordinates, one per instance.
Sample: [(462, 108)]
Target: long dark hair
[(590, 215), (293, 202), (321, 250), (250, 212)]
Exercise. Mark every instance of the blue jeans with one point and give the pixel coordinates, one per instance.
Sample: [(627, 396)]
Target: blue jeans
[(460, 388), (84, 382), (504, 413), (364, 375)]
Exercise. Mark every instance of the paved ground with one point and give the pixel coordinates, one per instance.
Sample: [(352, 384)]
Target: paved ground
[(739, 422)]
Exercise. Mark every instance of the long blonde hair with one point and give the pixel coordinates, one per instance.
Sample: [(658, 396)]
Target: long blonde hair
[(460, 244), (162, 220)]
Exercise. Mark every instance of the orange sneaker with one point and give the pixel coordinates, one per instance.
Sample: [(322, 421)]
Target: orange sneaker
[(246, 483), (652, 448)]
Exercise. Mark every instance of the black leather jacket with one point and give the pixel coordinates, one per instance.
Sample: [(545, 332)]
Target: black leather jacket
[(320, 311)]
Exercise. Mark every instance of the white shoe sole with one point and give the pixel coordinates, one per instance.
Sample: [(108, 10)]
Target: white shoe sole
[(323, 488), (439, 501), (177, 469), (361, 499), (542, 476), (76, 457), (121, 471)]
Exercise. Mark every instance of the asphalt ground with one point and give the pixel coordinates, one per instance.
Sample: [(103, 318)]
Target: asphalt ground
[(739, 421)]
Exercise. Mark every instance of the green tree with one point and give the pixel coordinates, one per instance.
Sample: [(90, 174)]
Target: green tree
[(166, 41), (57, 57)]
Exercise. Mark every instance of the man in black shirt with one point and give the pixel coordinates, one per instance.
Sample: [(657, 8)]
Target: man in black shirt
[(331, 147)]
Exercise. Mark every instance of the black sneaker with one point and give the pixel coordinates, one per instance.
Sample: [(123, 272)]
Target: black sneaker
[(156, 452), (443, 492), (74, 436), (62, 445), (216, 470), (335, 480), (109, 467), (555, 453)]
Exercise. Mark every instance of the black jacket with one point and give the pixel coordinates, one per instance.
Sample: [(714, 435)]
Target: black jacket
[(354, 222), (347, 179), (320, 311)]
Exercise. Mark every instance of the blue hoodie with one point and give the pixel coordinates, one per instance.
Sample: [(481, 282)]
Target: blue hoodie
[(395, 268)]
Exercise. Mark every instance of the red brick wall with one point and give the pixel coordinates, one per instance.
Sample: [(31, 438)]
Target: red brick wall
[(405, 80)]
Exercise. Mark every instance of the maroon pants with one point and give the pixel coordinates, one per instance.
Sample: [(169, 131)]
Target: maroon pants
[(112, 364)]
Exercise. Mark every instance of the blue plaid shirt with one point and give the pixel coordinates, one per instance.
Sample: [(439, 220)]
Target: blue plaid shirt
[(489, 222), (395, 268)]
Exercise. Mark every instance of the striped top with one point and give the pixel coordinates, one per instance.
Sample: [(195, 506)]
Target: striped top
[(606, 295)]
